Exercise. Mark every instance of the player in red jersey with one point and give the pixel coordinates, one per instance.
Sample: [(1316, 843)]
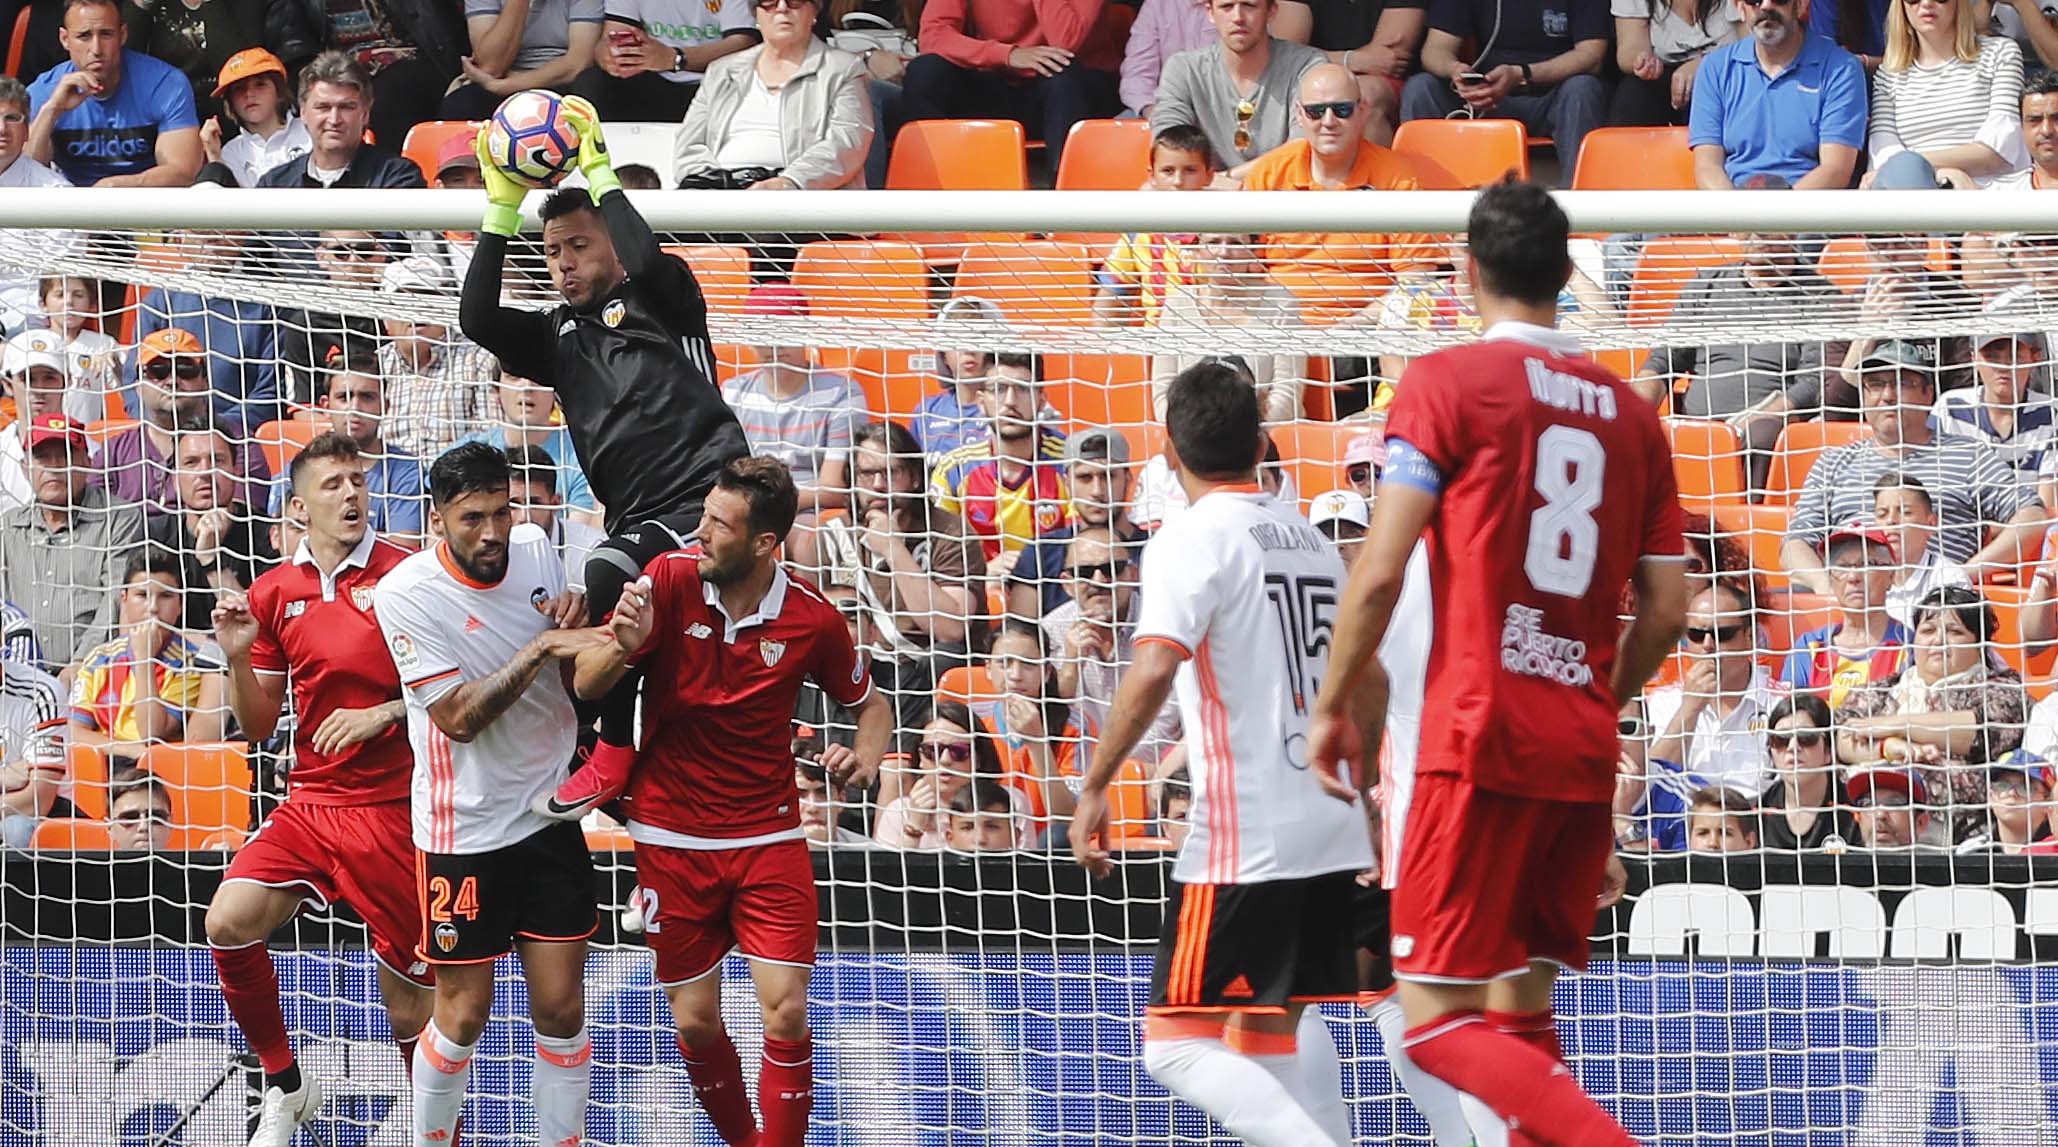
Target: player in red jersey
[(1545, 484), (343, 833), (725, 637)]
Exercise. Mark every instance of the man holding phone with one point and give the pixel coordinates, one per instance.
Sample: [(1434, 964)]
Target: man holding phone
[(1538, 63)]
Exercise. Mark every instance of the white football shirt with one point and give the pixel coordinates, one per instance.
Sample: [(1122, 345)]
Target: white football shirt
[(444, 630), (1405, 654), (1247, 589)]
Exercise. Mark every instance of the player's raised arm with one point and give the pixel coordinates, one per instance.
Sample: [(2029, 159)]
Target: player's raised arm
[(601, 667), (522, 339), (635, 244), (256, 698)]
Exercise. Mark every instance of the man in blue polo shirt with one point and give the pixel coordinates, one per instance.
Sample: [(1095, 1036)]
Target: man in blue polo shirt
[(1782, 101), (111, 117)]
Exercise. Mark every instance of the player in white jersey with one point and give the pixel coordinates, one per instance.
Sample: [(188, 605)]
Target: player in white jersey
[(1240, 591), (475, 627)]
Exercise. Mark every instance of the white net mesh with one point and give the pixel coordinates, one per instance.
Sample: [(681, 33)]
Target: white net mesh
[(1862, 966)]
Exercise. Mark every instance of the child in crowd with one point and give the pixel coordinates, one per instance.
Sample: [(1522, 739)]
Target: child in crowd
[(1721, 820), (1903, 507), (967, 331), (92, 360), (253, 91), (1146, 266), (982, 818)]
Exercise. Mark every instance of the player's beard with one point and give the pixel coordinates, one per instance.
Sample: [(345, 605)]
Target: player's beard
[(484, 566), (717, 570)]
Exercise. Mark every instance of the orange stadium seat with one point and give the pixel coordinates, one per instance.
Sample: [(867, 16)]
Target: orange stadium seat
[(426, 139), (1105, 155), (88, 767), (1799, 445), (1785, 619), (72, 834), (281, 440), (1313, 453), (723, 271), (959, 155), (1100, 389), (1846, 262), (1761, 530), (1707, 460), (102, 429), (872, 278), (17, 41), (1477, 152), (1036, 281), (1634, 159), (1667, 265), (209, 784), (1129, 812)]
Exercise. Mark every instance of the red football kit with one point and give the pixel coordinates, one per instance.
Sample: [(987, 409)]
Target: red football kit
[(712, 804), (343, 831), (1555, 480)]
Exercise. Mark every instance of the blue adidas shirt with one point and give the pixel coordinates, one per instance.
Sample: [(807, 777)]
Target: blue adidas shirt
[(117, 134)]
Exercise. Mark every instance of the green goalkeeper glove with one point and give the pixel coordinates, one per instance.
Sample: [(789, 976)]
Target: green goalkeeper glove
[(504, 196), (594, 162)]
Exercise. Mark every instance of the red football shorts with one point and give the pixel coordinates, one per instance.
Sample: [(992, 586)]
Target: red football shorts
[(698, 904), (362, 856), (1491, 882)]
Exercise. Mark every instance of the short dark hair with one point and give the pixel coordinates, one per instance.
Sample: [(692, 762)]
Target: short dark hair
[(566, 201), (125, 779), (1716, 798), (1212, 416), (892, 439), (322, 447), (2042, 84), (639, 177), (1900, 480), (1518, 236), (154, 560), (767, 485), (467, 468), (1021, 360), (985, 758), (533, 464), (336, 67), (1972, 610), (982, 795), (1185, 137), (120, 17)]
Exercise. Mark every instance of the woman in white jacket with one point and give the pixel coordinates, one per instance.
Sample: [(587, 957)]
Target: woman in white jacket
[(791, 113)]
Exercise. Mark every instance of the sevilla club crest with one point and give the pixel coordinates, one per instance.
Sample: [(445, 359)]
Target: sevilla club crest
[(361, 597), (771, 651)]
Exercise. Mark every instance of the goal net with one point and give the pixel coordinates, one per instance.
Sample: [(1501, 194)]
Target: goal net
[(1866, 961)]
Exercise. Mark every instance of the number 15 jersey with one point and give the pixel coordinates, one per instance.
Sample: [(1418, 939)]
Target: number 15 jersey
[(1247, 590), (1556, 480)]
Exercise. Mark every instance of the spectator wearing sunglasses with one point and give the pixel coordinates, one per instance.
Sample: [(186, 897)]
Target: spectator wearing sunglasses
[(1711, 723), (1538, 64), (1094, 633), (1865, 644), (139, 812), (1334, 275), (2018, 806), (1238, 90), (140, 464), (951, 754), (1953, 709), (1099, 474), (1806, 808), (1781, 101), (1893, 811)]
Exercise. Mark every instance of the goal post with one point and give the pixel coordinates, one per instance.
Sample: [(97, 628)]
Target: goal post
[(1832, 995)]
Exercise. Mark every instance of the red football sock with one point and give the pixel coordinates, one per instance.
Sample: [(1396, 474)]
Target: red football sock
[(786, 1090), (407, 1052), (718, 1084), (1537, 1095), (613, 762), (250, 986), (1537, 1029)]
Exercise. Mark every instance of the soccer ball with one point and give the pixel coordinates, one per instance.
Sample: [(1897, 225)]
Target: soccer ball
[(530, 140)]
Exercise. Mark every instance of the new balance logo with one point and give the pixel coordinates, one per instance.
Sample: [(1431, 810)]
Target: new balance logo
[(473, 624), (699, 631), (1238, 989), (296, 608)]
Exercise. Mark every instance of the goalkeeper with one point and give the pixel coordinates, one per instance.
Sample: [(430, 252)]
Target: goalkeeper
[(629, 356)]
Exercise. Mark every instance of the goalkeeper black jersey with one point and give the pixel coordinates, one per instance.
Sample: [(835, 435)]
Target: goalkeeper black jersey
[(634, 373)]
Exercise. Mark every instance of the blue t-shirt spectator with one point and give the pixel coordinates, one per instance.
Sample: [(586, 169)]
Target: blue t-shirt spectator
[(396, 495), (942, 423), (241, 340), (1776, 125), (117, 134)]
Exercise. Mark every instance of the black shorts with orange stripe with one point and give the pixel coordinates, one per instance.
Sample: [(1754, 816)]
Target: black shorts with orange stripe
[(1257, 946), (475, 906)]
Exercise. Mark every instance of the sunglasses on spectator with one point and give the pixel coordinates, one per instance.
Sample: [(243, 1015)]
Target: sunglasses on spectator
[(360, 250), (2016, 786), (1764, 3), (162, 369), (956, 754), (1357, 474), (789, 5), (1695, 635), (1103, 571), (1343, 109), (1804, 738), (1882, 800), (1245, 112)]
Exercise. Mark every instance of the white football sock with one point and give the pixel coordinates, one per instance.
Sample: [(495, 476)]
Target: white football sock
[(1321, 1075), (1451, 1120), (563, 1068), (1247, 1100), (441, 1071)]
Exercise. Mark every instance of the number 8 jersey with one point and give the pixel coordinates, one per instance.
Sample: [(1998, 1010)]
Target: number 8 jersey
[(1555, 480), (1246, 589)]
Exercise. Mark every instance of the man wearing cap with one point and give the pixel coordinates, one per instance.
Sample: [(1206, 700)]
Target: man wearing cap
[(914, 571), (1094, 635), (802, 416), (1865, 644), (111, 117), (1098, 469), (439, 385), (1011, 488), (457, 166), (1343, 516), (33, 364), (2007, 410), (62, 557), (336, 101), (173, 396), (1892, 807), (954, 415), (2018, 806), (1987, 519), (1782, 100), (252, 88)]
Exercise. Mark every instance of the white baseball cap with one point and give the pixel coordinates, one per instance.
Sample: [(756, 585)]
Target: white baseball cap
[(1340, 506), (32, 348), (415, 273)]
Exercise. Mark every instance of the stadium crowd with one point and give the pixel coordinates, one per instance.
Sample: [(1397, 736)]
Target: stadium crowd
[(1870, 683)]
